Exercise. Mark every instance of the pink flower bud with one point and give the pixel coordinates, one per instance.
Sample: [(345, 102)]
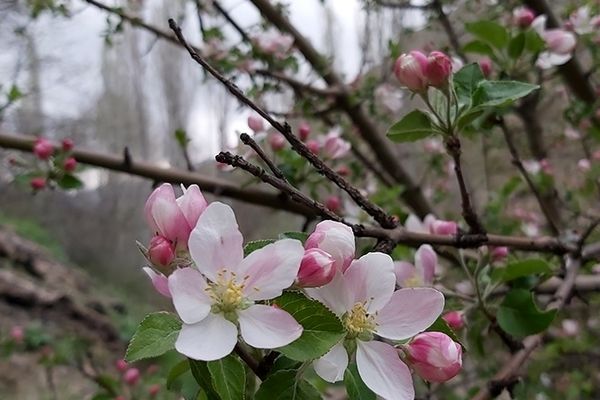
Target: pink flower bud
[(441, 227), (546, 167), (434, 356), (132, 376), (523, 17), (304, 130), (17, 334), (313, 146), (121, 365), (335, 239), (334, 146), (255, 123), (43, 149), (161, 252), (584, 165), (316, 269), (276, 141), (570, 327), (439, 68), (333, 203), (154, 390), (410, 70), (499, 253), (454, 319), (37, 183), (343, 170), (559, 41), (486, 66), (70, 164), (67, 144)]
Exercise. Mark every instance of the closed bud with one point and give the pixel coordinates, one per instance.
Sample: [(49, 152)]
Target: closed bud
[(313, 146), (67, 144), (154, 390), (161, 252), (255, 123), (304, 130), (336, 239), (441, 227), (132, 376), (121, 365), (486, 66), (316, 269), (434, 356), (37, 183), (410, 70), (334, 146), (439, 68), (276, 141), (70, 164), (454, 319), (333, 203), (17, 334), (43, 149), (523, 17), (499, 253), (343, 170)]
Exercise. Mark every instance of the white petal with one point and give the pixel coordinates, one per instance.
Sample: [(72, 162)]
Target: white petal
[(383, 372), (216, 242), (332, 365), (268, 327), (333, 295), (371, 279), (187, 287), (271, 269), (211, 339), (410, 311), (414, 224)]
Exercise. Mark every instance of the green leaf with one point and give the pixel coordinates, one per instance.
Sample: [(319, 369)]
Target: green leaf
[(413, 126), (516, 46), (442, 326), (228, 377), (355, 387), (255, 245), (155, 335), (202, 375), (69, 181), (520, 269), (14, 94), (182, 138), (534, 42), (490, 32), (322, 329), (519, 316), (479, 47), (283, 363), (500, 93), (175, 372), (466, 81), (283, 385), (301, 236)]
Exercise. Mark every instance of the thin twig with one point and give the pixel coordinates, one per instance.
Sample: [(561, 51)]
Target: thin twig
[(247, 140)]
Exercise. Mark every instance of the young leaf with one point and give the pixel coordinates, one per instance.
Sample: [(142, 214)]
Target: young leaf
[(490, 32), (301, 236), (478, 47), (413, 126), (466, 81), (203, 377), (442, 326), (69, 181), (228, 377), (283, 385), (322, 329), (520, 269), (500, 93), (155, 335), (355, 387), (519, 316), (255, 245), (175, 372), (516, 46)]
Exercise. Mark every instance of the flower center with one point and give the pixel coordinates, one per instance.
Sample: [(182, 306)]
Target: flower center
[(227, 294), (413, 281), (358, 322)]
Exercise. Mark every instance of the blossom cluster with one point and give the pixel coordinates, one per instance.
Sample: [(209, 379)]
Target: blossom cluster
[(197, 259)]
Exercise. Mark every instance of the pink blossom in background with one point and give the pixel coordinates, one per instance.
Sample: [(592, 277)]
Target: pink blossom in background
[(303, 130), (255, 122), (419, 274), (441, 227), (334, 146), (389, 97), (132, 376), (43, 149), (584, 165), (572, 133), (17, 334), (70, 164), (276, 141), (486, 66), (37, 183), (559, 44), (314, 146), (67, 144), (455, 320), (121, 365), (499, 253), (523, 17), (333, 203)]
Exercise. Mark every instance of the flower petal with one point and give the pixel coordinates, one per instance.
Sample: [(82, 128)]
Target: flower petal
[(271, 269), (382, 370), (211, 339), (371, 279), (187, 287), (159, 281), (216, 242), (164, 215), (192, 203), (425, 263), (409, 311), (334, 295), (268, 327), (404, 271), (332, 365), (336, 239)]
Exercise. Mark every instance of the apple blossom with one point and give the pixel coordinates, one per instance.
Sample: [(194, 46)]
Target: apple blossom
[(37, 183), (314, 146), (334, 146), (410, 70), (414, 224), (336, 239), (303, 130), (317, 268), (499, 253), (173, 218), (523, 17), (333, 203), (67, 144), (419, 274), (439, 69), (70, 164), (559, 44), (132, 376), (255, 122), (441, 227), (43, 148), (154, 390), (343, 170), (17, 334), (584, 165), (457, 64), (218, 297), (582, 22), (454, 319), (434, 356), (363, 297), (276, 141), (486, 66), (121, 365), (389, 97)]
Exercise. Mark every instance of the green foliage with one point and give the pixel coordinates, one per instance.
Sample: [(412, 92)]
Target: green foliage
[(286, 385), (228, 377), (181, 137), (355, 387), (489, 32), (442, 326), (69, 181), (413, 126), (519, 316), (155, 335), (500, 93), (255, 245), (466, 81), (521, 268), (322, 329), (301, 236)]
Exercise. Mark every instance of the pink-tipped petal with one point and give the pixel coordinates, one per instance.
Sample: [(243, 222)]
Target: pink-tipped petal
[(336, 239), (268, 327), (188, 290), (159, 281), (332, 365), (211, 339), (383, 372), (371, 279), (216, 242), (164, 216), (192, 203), (409, 311), (316, 269), (271, 269), (425, 263), (334, 295)]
